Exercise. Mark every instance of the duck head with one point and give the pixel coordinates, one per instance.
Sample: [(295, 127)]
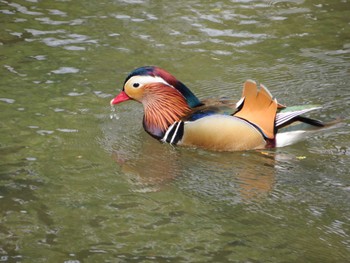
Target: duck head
[(164, 98), (159, 75)]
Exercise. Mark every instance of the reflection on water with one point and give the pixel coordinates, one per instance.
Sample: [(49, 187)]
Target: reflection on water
[(232, 179), (152, 172), (79, 183), (150, 165)]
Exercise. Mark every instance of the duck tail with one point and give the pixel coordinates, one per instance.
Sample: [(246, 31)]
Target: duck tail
[(302, 119), (300, 128), (289, 115)]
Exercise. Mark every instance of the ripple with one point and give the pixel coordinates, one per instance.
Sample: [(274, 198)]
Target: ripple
[(45, 132), (67, 130), (20, 20), (7, 12), (278, 18), (222, 52), (36, 32), (39, 57), (75, 94), (57, 12), (65, 70), (132, 2), (248, 22), (114, 34), (188, 43), (336, 227), (74, 48), (293, 11), (102, 95), (49, 21), (12, 70), (70, 39), (23, 9), (122, 16), (245, 43), (230, 33), (9, 101)]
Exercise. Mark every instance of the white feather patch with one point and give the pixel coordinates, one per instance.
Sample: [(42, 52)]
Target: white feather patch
[(288, 138)]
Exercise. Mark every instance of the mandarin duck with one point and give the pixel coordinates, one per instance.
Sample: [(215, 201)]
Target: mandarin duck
[(174, 115)]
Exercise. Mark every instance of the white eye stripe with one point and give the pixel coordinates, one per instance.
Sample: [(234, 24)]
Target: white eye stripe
[(141, 80)]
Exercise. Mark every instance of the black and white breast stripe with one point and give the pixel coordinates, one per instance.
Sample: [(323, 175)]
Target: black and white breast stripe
[(174, 133)]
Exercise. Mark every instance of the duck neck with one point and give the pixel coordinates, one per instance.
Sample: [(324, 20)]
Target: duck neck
[(163, 105)]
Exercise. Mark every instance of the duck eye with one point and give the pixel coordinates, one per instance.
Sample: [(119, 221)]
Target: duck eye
[(136, 85)]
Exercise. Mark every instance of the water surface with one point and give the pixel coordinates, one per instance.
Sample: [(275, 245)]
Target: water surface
[(80, 182)]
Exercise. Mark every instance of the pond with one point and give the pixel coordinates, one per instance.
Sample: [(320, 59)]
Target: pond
[(83, 182)]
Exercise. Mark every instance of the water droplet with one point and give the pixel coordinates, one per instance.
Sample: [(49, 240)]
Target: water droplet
[(114, 116)]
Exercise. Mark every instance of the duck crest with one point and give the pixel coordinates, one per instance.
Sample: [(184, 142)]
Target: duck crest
[(163, 105), (191, 99), (153, 71)]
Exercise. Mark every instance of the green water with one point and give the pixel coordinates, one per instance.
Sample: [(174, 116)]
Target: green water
[(80, 182)]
